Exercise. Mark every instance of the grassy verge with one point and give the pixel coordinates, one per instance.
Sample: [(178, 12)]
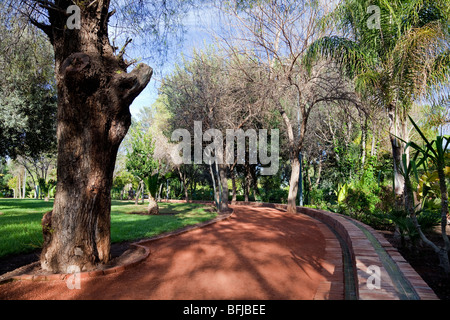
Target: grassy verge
[(20, 222)]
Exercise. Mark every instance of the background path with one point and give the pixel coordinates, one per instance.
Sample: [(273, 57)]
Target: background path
[(258, 254)]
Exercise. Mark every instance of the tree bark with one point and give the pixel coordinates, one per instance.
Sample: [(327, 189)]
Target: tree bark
[(364, 134), (138, 193), (224, 184), (184, 182), (295, 147), (293, 186), (397, 130), (319, 173), (233, 185), (399, 180), (216, 196), (373, 150), (94, 95), (247, 182), (25, 184), (246, 188), (19, 189), (160, 191), (153, 208)]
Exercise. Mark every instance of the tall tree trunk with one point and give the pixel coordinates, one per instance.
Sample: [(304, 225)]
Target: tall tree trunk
[(247, 183), (94, 95), (186, 192), (224, 183), (295, 147), (397, 156), (397, 131), (184, 184), (364, 131), (373, 149), (25, 184), (19, 189), (254, 181), (160, 191), (319, 173), (138, 193), (216, 197), (293, 185), (246, 189), (233, 185)]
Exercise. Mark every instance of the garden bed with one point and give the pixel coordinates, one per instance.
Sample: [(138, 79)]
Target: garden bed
[(426, 263)]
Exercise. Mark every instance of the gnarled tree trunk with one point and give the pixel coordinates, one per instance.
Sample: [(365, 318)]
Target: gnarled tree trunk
[(94, 95)]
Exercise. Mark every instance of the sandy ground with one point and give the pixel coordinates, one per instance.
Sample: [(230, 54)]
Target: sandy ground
[(258, 254)]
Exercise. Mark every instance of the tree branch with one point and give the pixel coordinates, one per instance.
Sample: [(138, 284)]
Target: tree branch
[(133, 83)]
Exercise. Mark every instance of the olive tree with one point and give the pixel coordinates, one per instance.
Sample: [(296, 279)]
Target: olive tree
[(95, 89)]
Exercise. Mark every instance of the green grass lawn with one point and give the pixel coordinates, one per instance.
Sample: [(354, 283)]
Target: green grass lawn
[(21, 232)]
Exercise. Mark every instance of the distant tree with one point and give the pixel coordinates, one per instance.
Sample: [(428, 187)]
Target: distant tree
[(13, 185), (27, 91), (141, 163), (275, 35), (394, 63), (211, 89), (121, 180)]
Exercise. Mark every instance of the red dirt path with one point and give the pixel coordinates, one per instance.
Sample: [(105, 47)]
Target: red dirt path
[(258, 254)]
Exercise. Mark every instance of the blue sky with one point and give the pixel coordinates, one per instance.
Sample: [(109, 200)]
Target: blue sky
[(198, 34), (201, 26)]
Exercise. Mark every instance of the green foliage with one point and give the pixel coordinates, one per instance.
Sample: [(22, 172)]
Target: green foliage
[(12, 183), (275, 195), (140, 159), (204, 193), (405, 226), (21, 230), (27, 92), (342, 193), (271, 189), (360, 199), (119, 183), (47, 188), (418, 218), (4, 189)]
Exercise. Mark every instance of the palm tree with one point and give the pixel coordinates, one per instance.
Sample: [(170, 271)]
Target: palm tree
[(394, 64)]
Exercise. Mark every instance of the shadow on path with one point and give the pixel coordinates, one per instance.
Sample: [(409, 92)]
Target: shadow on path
[(258, 254)]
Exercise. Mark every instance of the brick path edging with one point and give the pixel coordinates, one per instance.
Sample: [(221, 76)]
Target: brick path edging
[(364, 255), (141, 245)]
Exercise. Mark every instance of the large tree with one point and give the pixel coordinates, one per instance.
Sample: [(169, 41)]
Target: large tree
[(142, 164), (95, 90), (396, 52), (27, 90), (210, 89), (275, 35)]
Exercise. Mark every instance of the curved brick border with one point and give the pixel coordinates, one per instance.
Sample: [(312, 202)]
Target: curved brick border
[(364, 255), (141, 245)]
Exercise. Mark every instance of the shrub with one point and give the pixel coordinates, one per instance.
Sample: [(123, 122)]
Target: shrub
[(274, 195)]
